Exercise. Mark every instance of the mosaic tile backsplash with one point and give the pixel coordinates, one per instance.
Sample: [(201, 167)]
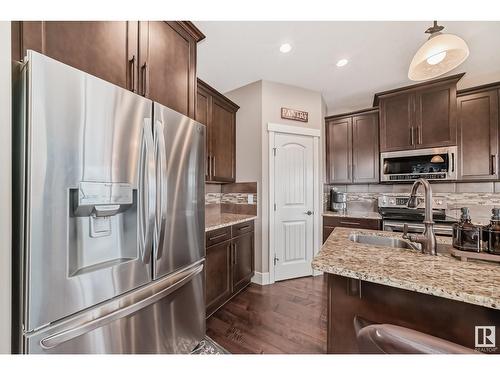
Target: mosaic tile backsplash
[(234, 198), (479, 203)]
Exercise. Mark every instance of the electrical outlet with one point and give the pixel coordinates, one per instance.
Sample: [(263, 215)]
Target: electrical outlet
[(250, 198)]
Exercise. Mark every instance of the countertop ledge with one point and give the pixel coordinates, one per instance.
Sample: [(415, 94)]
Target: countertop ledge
[(225, 219), (473, 282), (355, 214)]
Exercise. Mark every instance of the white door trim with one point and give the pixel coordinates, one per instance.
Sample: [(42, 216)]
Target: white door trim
[(274, 128), (289, 129)]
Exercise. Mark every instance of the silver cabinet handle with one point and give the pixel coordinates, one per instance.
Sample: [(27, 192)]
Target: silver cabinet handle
[(309, 212), (217, 236), (161, 187), (172, 283), (235, 260), (144, 71), (147, 198), (350, 223), (411, 135), (493, 164), (213, 165)]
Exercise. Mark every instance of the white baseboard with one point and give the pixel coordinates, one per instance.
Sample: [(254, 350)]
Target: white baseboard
[(261, 278), (317, 273)]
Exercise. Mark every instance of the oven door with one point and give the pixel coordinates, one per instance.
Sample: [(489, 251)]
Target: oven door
[(397, 226)]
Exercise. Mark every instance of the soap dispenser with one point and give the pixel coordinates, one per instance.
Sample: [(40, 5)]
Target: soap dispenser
[(493, 232), (466, 236)]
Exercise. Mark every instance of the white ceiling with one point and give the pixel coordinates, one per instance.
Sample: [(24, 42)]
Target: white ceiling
[(236, 53)]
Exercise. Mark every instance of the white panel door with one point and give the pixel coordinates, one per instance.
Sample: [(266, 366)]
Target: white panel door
[(294, 199)]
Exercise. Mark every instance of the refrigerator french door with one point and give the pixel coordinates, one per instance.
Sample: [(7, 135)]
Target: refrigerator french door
[(102, 268)]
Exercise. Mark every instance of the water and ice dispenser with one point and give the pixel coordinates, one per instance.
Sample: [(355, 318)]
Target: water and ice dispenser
[(103, 226)]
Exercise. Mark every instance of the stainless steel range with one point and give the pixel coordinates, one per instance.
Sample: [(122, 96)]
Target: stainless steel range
[(395, 213)]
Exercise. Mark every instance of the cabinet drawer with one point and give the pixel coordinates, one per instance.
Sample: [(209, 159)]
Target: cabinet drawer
[(242, 228), (349, 222), (218, 235)]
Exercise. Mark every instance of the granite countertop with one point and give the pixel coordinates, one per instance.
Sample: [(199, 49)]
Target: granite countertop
[(475, 282), (221, 220), (355, 214)]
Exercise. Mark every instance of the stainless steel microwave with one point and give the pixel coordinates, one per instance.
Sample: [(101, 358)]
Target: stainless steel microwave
[(430, 163)]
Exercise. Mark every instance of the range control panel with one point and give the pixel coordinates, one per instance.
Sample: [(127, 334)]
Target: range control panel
[(401, 201)]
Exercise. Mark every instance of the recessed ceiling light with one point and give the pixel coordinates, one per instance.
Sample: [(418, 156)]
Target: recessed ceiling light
[(342, 62), (285, 47)]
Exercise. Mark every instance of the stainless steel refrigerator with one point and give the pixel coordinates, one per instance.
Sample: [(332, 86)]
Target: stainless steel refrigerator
[(109, 217)]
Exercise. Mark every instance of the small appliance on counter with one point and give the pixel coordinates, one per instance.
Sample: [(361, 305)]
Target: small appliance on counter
[(467, 236), (338, 201)]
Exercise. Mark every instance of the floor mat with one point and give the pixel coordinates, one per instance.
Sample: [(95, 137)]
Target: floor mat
[(209, 346)]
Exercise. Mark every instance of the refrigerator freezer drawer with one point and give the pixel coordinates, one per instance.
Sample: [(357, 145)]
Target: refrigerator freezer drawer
[(167, 316)]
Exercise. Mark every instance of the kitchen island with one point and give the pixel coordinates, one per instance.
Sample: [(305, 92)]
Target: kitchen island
[(438, 295)]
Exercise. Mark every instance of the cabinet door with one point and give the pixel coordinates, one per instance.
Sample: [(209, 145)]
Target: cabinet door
[(339, 150), (243, 258), (203, 105), (218, 275), (168, 65), (396, 119), (105, 49), (478, 136), (365, 150), (223, 141), (435, 116)]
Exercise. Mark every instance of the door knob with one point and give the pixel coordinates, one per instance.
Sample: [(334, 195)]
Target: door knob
[(309, 213)]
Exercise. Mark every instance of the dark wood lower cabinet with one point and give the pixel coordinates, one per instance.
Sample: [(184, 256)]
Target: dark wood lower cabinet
[(447, 319), (218, 278), (331, 222), (243, 260), (229, 264)]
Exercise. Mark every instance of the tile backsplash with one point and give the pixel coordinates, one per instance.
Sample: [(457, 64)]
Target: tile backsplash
[(480, 198), (231, 198)]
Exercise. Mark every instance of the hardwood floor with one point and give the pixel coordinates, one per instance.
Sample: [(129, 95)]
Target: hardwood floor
[(285, 317)]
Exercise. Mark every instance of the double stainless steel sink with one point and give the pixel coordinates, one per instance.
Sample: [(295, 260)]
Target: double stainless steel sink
[(383, 241)]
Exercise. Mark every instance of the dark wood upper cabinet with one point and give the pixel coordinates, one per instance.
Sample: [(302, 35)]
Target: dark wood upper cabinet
[(435, 116), (203, 105), (365, 150), (155, 59), (396, 117), (218, 113), (105, 49), (167, 64), (419, 116), (243, 260), (352, 152), (339, 150), (478, 132)]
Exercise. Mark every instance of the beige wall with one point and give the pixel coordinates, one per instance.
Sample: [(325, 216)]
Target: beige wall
[(5, 188), (252, 140), (249, 148)]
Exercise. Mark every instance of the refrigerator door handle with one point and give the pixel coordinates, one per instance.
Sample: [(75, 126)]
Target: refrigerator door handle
[(161, 201), (176, 281), (147, 197)]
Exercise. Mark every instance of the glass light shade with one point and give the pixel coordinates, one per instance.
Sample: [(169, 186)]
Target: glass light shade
[(440, 54)]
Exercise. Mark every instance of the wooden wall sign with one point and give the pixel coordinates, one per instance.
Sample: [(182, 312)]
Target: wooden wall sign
[(293, 114)]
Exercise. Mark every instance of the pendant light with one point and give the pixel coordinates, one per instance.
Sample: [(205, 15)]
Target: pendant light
[(440, 54)]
